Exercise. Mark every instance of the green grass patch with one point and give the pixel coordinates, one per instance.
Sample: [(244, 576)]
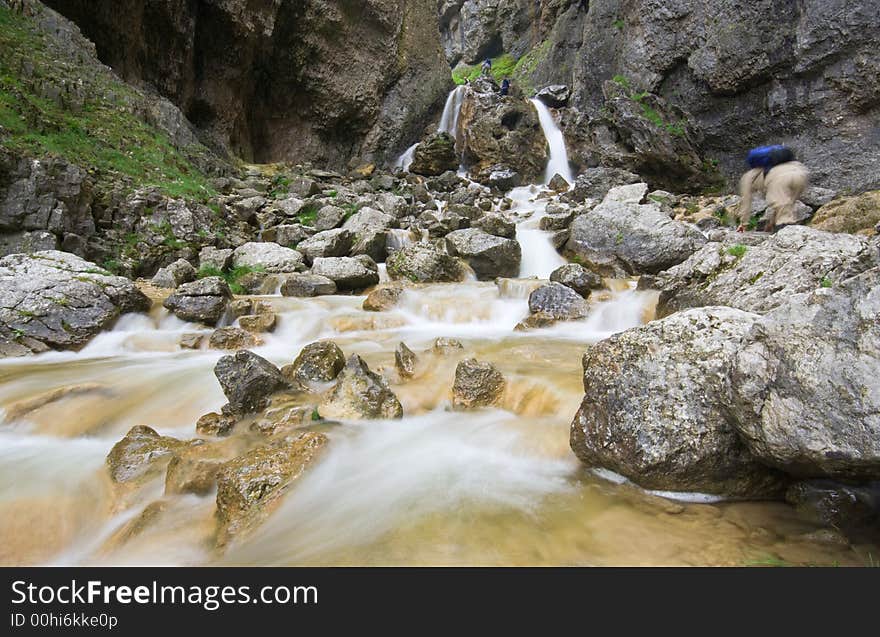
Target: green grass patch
[(308, 214), (826, 282), (503, 66), (738, 250), (232, 277), (618, 24)]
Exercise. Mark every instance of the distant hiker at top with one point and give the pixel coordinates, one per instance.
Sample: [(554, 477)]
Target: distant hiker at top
[(776, 174), (487, 66), (505, 86)]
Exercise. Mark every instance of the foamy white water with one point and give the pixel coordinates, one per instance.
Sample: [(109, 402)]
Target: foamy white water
[(558, 162)]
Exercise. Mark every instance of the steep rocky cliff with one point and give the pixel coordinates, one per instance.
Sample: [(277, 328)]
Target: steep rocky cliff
[(804, 73), (281, 79)]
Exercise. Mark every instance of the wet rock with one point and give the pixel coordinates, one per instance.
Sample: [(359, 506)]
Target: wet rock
[(56, 300), (502, 178), (194, 470), (214, 424), (141, 450), (857, 214), (655, 407), (329, 243), (555, 95), (405, 360), (233, 338), (536, 321), (360, 393), (558, 183), (202, 301), (559, 301), (594, 183), (489, 256), (383, 298), (259, 323), (248, 380), (307, 285), (761, 277), (637, 238), (443, 345), (555, 222), (318, 362), (477, 384), (250, 485), (435, 155), (804, 382), (267, 256), (423, 263), (578, 278), (854, 509), (192, 340), (179, 272), (497, 225), (348, 273), (239, 307)]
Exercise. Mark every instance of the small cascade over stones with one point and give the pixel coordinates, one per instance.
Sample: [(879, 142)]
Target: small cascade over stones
[(558, 162)]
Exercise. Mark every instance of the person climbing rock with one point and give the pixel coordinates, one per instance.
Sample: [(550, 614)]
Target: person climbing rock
[(505, 86), (487, 66), (776, 174)]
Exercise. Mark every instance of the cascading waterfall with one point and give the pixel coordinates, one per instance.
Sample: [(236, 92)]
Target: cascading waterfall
[(558, 162), (448, 124)]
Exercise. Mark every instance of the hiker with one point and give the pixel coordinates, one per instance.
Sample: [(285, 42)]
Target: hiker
[(505, 86), (487, 66), (776, 174)]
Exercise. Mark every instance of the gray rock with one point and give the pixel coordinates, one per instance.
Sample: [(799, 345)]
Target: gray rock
[(405, 360), (211, 257), (655, 407), (307, 285), (423, 263), (477, 384), (318, 362), (816, 197), (369, 219), (804, 382), (329, 243), (329, 217), (559, 301), (497, 225), (503, 179), (268, 256), (202, 301), (179, 272), (577, 277), (348, 273), (232, 338), (555, 95), (360, 394), (27, 242), (290, 206), (139, 452), (248, 380), (289, 235), (56, 300), (435, 155), (594, 183), (761, 277), (489, 256)]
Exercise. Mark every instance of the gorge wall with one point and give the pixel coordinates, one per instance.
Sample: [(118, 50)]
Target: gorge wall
[(281, 79)]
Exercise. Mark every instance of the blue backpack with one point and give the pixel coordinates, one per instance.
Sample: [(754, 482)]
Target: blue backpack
[(767, 157)]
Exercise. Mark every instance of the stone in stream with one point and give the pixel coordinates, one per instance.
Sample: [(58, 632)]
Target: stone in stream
[(383, 298), (233, 338), (181, 271), (489, 256), (318, 362), (202, 301), (214, 424), (248, 380), (348, 273), (577, 277), (267, 256), (477, 384), (559, 301), (259, 323), (359, 394), (249, 486), (424, 263), (142, 450), (307, 285), (329, 243), (497, 225), (191, 340), (558, 183), (194, 469), (405, 360), (434, 155), (443, 345), (804, 383), (853, 509), (56, 300), (239, 307), (655, 408)]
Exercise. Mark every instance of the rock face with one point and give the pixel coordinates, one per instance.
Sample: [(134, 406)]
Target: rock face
[(761, 277), (360, 394), (849, 214), (202, 301), (477, 384), (558, 301), (488, 255), (248, 380), (348, 273), (655, 407), (631, 237), (804, 385), (249, 485), (435, 155), (423, 263), (55, 300), (317, 362), (138, 452), (213, 64), (555, 95)]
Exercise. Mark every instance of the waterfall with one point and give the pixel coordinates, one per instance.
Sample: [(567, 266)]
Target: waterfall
[(558, 162), (406, 159), (448, 124)]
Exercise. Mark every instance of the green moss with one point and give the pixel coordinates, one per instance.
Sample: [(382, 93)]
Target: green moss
[(308, 214), (622, 81), (826, 282), (737, 250), (232, 277), (618, 24), (503, 66)]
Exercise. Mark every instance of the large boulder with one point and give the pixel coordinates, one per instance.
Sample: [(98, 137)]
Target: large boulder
[(424, 263), (594, 183), (555, 95), (249, 486), (248, 380), (488, 255), (655, 407), (805, 383), (307, 285), (202, 301), (557, 301), (360, 394), (860, 213), (348, 273), (56, 300), (761, 277), (435, 155), (329, 243), (477, 384), (177, 273), (141, 451), (318, 362), (369, 219), (267, 256)]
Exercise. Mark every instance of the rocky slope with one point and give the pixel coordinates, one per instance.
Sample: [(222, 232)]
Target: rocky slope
[(279, 80)]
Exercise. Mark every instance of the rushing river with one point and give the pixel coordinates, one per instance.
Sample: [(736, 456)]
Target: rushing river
[(495, 486)]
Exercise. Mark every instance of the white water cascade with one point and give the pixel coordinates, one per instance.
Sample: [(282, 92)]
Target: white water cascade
[(448, 124), (558, 162)]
